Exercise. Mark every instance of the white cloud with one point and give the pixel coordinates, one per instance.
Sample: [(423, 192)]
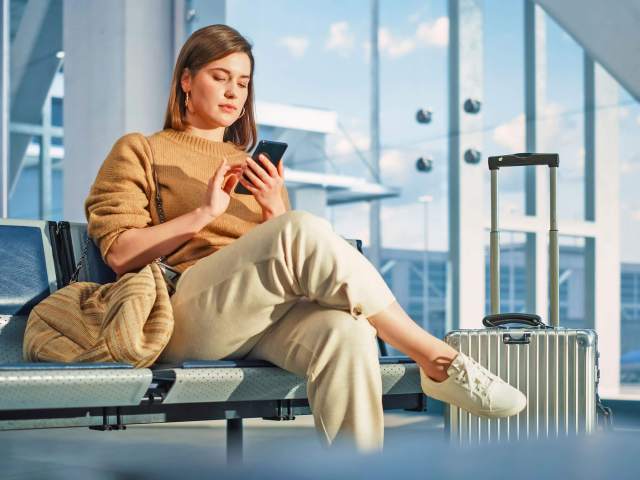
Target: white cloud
[(297, 46), (396, 167), (555, 130), (392, 46), (427, 34), (340, 38), (623, 112), (638, 119), (630, 165), (339, 144), (434, 34), (511, 135)]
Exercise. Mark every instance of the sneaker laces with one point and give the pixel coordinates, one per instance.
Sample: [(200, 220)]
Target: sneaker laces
[(474, 377)]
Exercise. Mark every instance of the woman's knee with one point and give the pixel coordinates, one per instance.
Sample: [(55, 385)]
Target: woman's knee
[(354, 336)]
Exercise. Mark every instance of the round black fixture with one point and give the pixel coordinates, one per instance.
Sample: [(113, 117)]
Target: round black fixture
[(424, 164), (472, 156), (424, 116), (472, 106)]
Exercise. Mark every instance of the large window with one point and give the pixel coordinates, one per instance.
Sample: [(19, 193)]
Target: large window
[(413, 39), (561, 123), (36, 147), (572, 286), (513, 279), (315, 58), (503, 113), (322, 60), (629, 116)]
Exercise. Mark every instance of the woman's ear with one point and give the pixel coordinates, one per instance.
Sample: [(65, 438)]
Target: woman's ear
[(185, 80)]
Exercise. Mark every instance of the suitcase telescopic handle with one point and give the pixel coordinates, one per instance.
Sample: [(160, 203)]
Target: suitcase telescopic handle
[(498, 319), (552, 160), (524, 160)]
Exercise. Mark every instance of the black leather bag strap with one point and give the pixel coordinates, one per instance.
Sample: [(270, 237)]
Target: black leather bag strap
[(81, 262), (158, 197), (171, 275)]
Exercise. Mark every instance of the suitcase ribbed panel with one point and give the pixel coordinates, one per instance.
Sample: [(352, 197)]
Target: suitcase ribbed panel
[(556, 370)]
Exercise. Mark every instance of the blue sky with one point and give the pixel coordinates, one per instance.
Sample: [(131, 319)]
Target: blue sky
[(315, 54)]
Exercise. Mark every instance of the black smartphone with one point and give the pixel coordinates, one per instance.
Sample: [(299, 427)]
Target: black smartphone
[(273, 150)]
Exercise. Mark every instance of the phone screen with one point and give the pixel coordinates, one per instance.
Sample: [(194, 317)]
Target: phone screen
[(273, 150)]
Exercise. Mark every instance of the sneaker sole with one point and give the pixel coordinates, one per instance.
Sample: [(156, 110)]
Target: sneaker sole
[(501, 414), (507, 412)]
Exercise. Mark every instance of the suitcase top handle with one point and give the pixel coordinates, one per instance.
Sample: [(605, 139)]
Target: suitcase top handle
[(523, 160), (499, 319)]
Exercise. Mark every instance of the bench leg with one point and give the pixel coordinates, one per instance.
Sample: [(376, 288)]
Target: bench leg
[(234, 440)]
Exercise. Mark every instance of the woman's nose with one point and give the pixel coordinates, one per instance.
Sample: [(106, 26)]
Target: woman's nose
[(231, 92)]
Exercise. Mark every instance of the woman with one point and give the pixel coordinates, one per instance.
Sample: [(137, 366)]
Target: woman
[(260, 281)]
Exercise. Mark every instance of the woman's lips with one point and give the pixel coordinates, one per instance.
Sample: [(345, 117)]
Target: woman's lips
[(228, 108)]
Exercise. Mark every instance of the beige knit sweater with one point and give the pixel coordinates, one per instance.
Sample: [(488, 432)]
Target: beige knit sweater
[(123, 193)]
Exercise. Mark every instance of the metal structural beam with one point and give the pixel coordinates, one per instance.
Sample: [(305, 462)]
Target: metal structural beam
[(122, 90), (33, 67), (375, 237), (536, 178), (602, 199), (45, 164), (4, 109), (466, 222)]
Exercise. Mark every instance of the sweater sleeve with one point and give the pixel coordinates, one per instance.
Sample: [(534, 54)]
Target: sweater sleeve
[(119, 197)]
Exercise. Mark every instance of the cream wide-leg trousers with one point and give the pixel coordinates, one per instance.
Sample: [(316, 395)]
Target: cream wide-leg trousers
[(292, 292)]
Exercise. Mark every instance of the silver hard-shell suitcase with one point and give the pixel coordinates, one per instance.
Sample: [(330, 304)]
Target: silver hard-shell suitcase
[(555, 367)]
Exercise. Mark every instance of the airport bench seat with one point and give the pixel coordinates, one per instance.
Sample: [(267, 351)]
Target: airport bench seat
[(36, 258)]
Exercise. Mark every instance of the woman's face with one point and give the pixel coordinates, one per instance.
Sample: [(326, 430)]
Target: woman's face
[(217, 93)]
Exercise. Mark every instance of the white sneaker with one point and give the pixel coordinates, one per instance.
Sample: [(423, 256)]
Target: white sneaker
[(472, 387)]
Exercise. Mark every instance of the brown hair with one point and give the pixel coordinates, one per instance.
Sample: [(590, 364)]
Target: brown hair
[(201, 48)]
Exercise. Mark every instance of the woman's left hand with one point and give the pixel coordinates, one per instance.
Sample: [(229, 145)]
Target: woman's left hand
[(265, 185)]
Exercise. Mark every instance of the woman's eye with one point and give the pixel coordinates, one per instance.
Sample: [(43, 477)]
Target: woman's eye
[(220, 79), (242, 86)]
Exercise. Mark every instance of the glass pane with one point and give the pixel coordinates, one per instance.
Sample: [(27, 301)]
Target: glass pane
[(513, 273), (504, 125), (629, 115), (24, 200), (25, 176), (323, 62), (413, 66), (561, 123), (572, 286)]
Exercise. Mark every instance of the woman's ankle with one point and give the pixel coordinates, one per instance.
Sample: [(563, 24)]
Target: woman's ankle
[(436, 369)]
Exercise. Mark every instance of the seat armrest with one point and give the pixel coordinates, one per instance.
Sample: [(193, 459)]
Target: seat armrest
[(355, 242)]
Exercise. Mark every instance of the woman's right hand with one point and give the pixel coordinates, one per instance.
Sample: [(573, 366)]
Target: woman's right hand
[(219, 189)]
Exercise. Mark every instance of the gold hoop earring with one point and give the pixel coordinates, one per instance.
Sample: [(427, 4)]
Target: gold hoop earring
[(186, 101), (242, 114)]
